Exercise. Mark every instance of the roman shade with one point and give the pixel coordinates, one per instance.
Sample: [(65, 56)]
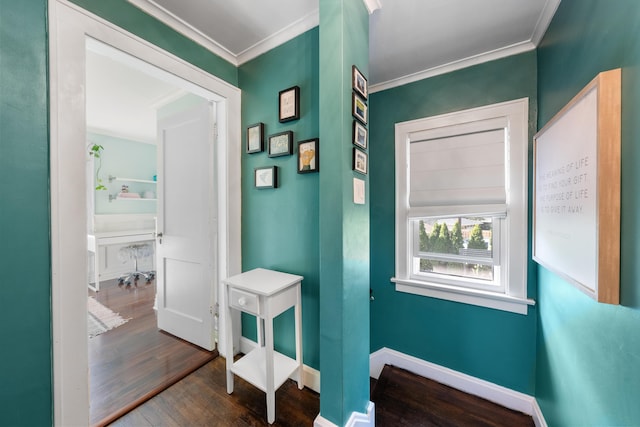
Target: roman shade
[(460, 174)]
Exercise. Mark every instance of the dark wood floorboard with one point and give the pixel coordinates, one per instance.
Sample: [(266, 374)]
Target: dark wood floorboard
[(133, 362), (201, 399), (404, 399)]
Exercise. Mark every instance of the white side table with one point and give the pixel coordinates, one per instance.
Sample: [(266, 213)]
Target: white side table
[(265, 294)]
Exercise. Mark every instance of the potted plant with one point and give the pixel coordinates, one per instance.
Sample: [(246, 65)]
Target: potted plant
[(95, 150)]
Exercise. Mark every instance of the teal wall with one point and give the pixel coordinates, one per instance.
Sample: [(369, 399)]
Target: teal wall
[(588, 361), (280, 226), (26, 394), (25, 291), (132, 19), (494, 345), (344, 226), (124, 158)]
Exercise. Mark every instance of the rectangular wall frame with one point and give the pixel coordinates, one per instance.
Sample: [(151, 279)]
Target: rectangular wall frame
[(576, 200)]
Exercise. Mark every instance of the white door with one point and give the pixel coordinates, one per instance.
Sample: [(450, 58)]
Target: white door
[(186, 224)]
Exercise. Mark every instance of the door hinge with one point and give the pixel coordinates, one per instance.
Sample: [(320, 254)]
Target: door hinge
[(215, 131)]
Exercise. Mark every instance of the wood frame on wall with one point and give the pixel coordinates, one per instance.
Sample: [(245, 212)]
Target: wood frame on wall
[(555, 189)]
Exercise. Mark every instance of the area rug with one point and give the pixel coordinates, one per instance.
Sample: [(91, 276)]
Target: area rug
[(101, 319)]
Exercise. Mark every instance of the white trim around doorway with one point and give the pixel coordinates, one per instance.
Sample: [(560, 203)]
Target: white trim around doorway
[(70, 26)]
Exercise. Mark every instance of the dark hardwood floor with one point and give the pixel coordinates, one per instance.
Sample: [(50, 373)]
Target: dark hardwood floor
[(201, 399), (133, 362), (404, 399)]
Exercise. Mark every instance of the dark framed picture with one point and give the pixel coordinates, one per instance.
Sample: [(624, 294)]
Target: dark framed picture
[(359, 108), (308, 156), (359, 82), (255, 138), (281, 144), (360, 137), (289, 104), (359, 161), (266, 177)]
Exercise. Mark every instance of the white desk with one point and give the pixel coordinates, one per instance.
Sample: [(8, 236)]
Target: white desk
[(265, 294), (96, 240)]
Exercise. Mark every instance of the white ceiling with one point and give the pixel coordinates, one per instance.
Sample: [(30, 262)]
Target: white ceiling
[(121, 101), (408, 39)]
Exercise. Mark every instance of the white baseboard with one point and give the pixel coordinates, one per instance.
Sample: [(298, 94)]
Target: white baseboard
[(310, 376), (501, 395), (538, 418), (357, 419)]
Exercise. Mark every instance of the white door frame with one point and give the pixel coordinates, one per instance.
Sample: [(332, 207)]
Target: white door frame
[(69, 26)]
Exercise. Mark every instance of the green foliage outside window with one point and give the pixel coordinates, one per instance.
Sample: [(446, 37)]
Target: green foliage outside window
[(442, 241)]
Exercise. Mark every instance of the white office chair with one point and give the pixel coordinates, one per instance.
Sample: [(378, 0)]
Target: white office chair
[(135, 252)]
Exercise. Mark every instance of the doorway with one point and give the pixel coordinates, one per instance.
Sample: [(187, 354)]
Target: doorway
[(70, 27), (126, 107)]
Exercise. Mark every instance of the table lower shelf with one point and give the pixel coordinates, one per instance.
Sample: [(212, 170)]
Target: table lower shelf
[(253, 368)]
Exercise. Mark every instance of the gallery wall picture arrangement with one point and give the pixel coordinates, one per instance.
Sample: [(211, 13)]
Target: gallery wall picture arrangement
[(308, 156), (359, 108), (359, 161), (359, 82), (289, 104), (266, 177), (255, 138), (360, 135), (576, 212), (281, 144)]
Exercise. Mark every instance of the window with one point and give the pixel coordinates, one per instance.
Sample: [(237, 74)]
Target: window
[(461, 206)]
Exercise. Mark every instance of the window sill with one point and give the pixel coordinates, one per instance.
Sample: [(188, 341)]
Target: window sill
[(466, 296)]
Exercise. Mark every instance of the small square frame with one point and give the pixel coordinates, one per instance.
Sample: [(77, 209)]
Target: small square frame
[(265, 177), (360, 160), (359, 82), (308, 156), (359, 108), (289, 104), (360, 135), (281, 144), (255, 138)]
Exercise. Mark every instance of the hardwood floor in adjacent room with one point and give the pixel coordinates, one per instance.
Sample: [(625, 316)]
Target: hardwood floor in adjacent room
[(135, 361)]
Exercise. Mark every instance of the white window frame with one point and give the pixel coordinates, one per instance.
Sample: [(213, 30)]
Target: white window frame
[(512, 295)]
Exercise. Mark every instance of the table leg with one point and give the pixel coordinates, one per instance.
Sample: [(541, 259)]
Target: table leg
[(298, 326), (229, 334), (271, 392), (96, 268), (260, 331)]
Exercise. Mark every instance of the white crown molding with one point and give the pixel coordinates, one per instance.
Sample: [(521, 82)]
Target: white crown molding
[(372, 5), (501, 395), (455, 65), (548, 11), (163, 15), (289, 32)]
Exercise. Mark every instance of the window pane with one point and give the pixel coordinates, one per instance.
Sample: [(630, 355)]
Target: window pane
[(461, 247)]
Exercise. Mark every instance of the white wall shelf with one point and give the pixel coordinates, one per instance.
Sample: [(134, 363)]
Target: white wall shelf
[(117, 178)]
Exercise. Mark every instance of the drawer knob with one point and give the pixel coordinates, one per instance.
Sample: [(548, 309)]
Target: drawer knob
[(242, 301)]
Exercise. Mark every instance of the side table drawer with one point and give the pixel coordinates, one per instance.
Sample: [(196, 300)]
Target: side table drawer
[(244, 301)]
